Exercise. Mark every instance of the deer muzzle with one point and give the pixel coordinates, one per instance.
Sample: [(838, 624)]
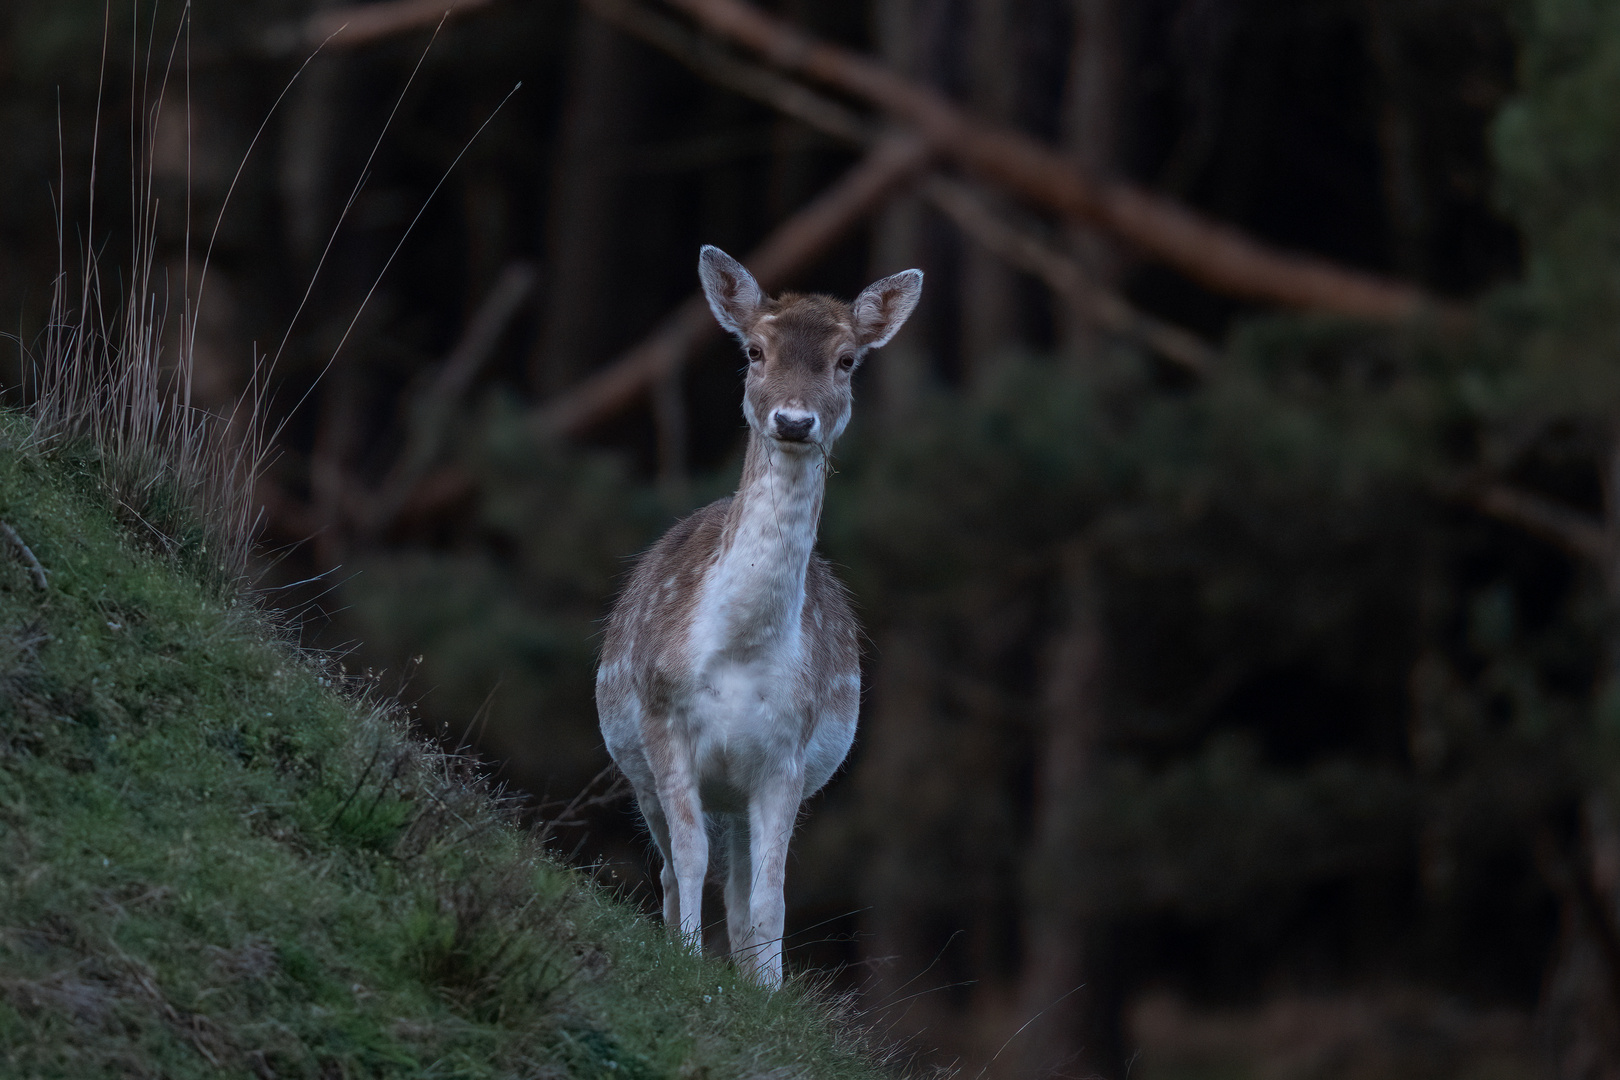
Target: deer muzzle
[(791, 425)]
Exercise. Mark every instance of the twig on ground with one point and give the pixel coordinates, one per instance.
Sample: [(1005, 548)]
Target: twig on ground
[(24, 552), (607, 787)]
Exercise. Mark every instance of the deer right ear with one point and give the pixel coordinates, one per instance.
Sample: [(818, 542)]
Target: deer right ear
[(733, 294), (883, 307)]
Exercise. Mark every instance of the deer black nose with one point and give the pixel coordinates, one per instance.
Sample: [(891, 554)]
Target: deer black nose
[(793, 427)]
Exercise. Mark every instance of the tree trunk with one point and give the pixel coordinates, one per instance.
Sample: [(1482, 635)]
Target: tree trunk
[(899, 769), (307, 140), (597, 128), (793, 146), (901, 369), (1579, 1012), (1091, 128), (898, 236), (1069, 995), (1404, 198), (1580, 1004), (989, 287), (330, 485)]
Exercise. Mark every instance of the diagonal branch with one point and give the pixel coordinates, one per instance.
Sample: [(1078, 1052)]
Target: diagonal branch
[(893, 161), (1026, 250), (432, 409), (1019, 246), (712, 61), (1576, 533), (1215, 254)]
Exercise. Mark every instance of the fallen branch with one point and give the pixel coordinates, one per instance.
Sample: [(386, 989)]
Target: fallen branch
[(1218, 256), (362, 24), (892, 162), (26, 554), (1026, 250)]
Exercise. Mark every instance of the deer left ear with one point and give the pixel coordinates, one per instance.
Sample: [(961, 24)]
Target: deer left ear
[(883, 307), (733, 294)]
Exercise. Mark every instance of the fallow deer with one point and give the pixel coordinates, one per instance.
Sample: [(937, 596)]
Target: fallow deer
[(730, 675)]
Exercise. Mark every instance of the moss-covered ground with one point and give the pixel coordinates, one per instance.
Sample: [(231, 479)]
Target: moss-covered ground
[(214, 862)]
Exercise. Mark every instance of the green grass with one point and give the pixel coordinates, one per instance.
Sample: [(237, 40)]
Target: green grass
[(214, 863)]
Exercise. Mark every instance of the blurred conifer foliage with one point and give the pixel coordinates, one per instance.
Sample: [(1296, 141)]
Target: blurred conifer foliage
[(1298, 677)]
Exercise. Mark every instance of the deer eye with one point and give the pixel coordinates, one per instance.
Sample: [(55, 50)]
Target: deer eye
[(754, 354), (846, 362)]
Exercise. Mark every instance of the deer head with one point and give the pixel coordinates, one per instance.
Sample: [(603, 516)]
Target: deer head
[(802, 350)]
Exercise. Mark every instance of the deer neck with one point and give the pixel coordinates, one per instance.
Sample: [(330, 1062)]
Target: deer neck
[(756, 589)]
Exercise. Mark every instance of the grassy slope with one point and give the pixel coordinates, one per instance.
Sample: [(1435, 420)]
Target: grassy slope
[(213, 864)]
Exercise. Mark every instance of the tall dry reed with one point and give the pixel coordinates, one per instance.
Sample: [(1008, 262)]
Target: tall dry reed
[(104, 377)]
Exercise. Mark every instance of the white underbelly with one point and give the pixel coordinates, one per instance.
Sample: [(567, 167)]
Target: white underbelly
[(745, 725)]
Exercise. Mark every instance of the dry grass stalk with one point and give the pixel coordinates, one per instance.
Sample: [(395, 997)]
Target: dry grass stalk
[(103, 376), (106, 382)]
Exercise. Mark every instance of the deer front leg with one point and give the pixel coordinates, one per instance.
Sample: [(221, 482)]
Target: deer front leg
[(688, 851), (658, 825), (771, 814), (739, 888)]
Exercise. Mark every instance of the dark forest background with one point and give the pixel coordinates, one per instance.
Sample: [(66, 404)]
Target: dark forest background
[(1241, 680)]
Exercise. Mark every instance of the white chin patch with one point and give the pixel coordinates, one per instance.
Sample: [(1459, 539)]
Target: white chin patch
[(838, 427)]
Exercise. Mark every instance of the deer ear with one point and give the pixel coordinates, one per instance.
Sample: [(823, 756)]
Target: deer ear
[(883, 307), (733, 294)]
